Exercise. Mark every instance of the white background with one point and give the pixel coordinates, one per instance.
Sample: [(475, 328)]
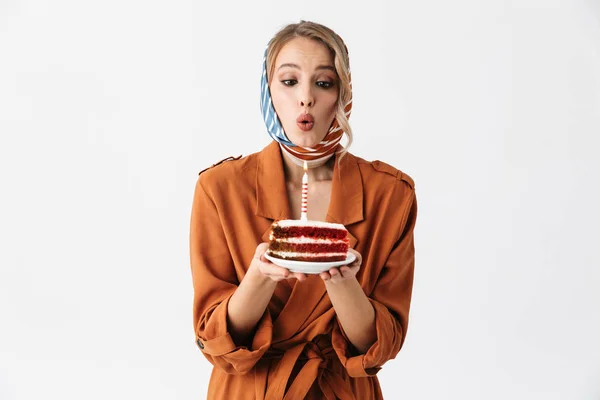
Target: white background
[(109, 109)]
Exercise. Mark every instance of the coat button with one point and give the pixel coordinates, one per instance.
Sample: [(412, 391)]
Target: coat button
[(199, 343)]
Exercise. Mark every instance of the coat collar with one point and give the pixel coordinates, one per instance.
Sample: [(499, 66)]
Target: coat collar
[(346, 201)]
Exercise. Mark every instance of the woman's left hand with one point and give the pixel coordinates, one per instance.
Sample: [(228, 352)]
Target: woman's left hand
[(345, 272)]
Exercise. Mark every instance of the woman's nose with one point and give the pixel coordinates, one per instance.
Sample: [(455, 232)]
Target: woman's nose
[(306, 98), (306, 102)]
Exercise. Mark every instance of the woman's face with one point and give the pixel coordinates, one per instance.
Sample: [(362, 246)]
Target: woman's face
[(304, 90)]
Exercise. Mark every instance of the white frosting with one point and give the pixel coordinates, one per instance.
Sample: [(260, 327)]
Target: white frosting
[(287, 254), (285, 223)]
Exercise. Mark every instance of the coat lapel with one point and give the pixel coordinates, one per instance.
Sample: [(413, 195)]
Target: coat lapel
[(271, 192), (345, 207)]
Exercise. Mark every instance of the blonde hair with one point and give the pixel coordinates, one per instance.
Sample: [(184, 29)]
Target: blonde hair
[(339, 51)]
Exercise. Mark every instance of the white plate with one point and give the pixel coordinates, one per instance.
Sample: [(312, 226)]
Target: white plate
[(309, 267)]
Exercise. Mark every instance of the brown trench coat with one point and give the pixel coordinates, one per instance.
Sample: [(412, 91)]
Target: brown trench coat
[(299, 349)]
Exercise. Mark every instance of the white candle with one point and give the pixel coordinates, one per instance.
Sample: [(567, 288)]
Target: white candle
[(304, 210)]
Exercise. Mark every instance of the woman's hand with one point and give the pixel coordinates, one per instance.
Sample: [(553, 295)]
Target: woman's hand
[(269, 270), (345, 272)]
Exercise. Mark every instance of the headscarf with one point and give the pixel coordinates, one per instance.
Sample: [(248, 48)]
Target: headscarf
[(314, 156)]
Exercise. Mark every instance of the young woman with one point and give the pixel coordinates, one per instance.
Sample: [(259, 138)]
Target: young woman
[(270, 333)]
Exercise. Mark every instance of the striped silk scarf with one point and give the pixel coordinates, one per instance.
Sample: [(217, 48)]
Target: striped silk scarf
[(314, 156)]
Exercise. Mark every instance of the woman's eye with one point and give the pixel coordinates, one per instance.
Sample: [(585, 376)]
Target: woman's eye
[(324, 84), (289, 82)]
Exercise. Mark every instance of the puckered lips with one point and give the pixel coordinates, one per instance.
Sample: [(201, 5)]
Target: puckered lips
[(305, 122)]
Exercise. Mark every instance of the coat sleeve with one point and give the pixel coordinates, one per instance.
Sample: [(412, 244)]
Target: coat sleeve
[(215, 281), (391, 301)]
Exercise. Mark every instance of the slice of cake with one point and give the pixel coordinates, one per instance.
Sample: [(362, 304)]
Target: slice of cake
[(314, 241)]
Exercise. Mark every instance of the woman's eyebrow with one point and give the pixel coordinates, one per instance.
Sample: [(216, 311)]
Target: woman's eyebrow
[(292, 65)]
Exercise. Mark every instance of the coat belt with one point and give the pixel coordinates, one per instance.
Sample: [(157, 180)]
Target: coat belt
[(332, 385)]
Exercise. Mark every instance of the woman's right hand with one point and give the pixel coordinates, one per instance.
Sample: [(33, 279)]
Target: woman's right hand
[(269, 270)]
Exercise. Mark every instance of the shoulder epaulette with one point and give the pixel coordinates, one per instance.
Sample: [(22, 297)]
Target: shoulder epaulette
[(230, 158), (388, 169), (383, 167), (407, 179)]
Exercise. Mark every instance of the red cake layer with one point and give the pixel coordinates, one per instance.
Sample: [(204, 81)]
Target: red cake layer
[(309, 231), (318, 259)]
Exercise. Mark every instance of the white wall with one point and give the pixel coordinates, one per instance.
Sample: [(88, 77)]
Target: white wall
[(109, 109)]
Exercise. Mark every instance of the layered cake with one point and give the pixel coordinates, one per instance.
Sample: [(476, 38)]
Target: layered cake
[(314, 241)]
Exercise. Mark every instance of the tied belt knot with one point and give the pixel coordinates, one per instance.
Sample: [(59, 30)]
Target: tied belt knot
[(316, 360)]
